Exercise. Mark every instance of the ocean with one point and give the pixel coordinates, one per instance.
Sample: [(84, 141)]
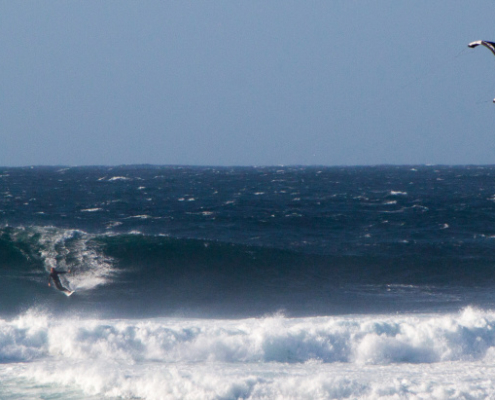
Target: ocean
[(248, 282)]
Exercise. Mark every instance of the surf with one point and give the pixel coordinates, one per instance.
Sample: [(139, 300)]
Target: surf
[(316, 357), (359, 339)]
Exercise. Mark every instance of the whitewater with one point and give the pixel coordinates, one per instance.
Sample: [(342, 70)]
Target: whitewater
[(368, 357), (248, 283)]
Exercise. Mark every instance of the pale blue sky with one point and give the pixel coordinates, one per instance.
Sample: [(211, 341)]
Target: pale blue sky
[(336, 82)]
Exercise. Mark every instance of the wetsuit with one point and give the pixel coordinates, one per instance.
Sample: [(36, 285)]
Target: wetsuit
[(56, 280)]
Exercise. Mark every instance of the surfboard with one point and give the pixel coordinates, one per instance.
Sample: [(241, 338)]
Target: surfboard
[(68, 294)]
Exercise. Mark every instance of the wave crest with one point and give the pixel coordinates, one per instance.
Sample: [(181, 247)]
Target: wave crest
[(65, 249), (469, 335)]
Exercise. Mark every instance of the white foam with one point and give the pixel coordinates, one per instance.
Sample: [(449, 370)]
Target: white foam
[(263, 381), (362, 357), (364, 340)]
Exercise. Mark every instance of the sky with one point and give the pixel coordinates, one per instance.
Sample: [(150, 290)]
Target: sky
[(225, 82)]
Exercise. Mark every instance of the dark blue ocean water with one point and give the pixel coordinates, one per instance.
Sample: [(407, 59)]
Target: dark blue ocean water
[(144, 241)]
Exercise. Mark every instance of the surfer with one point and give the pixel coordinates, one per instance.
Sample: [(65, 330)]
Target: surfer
[(56, 280)]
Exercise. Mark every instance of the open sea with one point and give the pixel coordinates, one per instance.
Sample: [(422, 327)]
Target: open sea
[(248, 283)]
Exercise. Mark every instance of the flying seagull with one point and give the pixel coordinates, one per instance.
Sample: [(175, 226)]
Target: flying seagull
[(489, 45)]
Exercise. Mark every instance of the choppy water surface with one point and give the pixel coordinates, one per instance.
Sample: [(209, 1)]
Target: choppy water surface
[(224, 283)]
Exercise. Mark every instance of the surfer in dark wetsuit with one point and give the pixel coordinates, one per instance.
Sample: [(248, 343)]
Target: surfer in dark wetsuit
[(56, 280)]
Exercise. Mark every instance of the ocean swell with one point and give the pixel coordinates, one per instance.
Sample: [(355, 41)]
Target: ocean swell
[(153, 275)]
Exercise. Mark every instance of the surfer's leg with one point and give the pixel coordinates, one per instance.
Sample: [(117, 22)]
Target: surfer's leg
[(59, 286), (65, 290)]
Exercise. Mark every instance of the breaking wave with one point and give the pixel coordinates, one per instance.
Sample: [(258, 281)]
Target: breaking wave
[(468, 336), (153, 275), (132, 358)]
